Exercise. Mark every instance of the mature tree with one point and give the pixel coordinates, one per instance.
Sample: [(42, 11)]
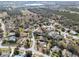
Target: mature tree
[(28, 54)]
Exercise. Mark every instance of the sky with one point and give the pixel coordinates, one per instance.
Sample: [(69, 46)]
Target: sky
[(39, 0)]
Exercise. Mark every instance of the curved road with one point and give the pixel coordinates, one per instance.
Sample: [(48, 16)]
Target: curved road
[(30, 49)]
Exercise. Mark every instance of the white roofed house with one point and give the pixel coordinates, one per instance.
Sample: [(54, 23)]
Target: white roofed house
[(12, 36), (73, 32), (66, 53)]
